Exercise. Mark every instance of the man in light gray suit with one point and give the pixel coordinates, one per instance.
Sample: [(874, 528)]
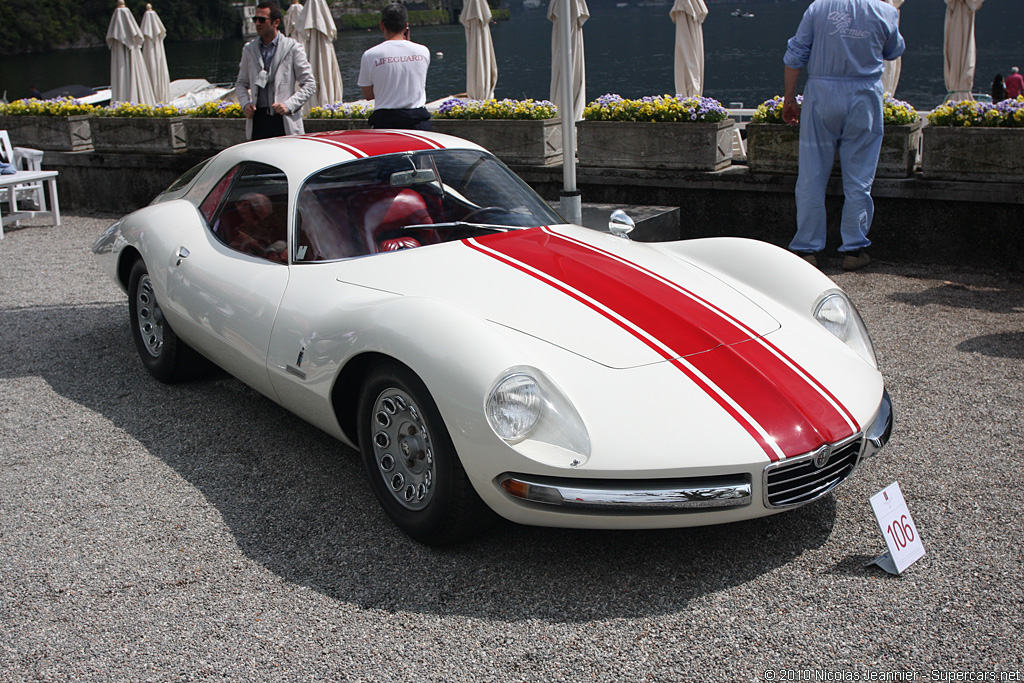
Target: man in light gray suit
[(274, 78)]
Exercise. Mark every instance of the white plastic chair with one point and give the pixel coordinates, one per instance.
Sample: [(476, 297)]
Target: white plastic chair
[(24, 159), (27, 183)]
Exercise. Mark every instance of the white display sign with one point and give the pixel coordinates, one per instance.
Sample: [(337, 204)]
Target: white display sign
[(901, 536)]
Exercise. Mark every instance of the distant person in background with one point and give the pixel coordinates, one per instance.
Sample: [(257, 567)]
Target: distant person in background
[(394, 75), (274, 79), (1014, 83), (844, 45), (998, 88)]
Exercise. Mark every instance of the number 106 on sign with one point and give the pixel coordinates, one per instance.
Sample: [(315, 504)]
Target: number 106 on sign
[(901, 536)]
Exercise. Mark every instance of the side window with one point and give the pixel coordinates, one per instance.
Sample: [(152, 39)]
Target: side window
[(248, 211), (213, 200)]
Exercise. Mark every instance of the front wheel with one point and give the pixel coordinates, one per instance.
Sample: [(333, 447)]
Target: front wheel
[(411, 462), (165, 356)]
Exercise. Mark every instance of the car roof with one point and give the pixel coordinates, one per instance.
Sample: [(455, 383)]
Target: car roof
[(301, 155)]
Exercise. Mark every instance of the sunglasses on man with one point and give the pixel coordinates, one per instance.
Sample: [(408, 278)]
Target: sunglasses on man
[(260, 20)]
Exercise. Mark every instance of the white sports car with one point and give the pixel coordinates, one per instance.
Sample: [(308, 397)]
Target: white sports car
[(408, 294)]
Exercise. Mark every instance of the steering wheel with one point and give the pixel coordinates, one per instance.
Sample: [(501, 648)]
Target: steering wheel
[(476, 214)]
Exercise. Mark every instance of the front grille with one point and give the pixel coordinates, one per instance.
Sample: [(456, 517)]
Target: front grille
[(798, 480)]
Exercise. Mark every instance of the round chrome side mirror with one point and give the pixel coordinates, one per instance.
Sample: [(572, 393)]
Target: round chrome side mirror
[(620, 224)]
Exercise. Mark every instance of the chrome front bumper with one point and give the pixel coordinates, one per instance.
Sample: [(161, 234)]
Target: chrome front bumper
[(877, 434), (660, 495)]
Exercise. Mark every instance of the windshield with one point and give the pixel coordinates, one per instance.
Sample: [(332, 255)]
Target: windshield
[(407, 200)]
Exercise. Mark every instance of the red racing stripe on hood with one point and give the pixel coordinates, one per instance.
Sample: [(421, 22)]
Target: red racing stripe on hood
[(767, 345), (774, 400)]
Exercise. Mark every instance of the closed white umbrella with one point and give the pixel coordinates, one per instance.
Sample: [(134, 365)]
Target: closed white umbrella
[(891, 74), (317, 25), (129, 81), (153, 34), (575, 16), (688, 16), (959, 49), (292, 20), (481, 66)]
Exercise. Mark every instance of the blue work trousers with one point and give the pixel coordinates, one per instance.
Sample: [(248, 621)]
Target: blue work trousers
[(846, 113)]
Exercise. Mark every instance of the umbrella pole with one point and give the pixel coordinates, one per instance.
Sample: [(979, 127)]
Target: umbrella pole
[(570, 202)]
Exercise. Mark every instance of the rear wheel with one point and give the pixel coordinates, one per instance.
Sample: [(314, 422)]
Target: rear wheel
[(412, 465), (165, 356)]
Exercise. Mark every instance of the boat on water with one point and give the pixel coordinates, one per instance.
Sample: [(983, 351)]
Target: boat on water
[(186, 93), (96, 96), (531, 4), (741, 13)]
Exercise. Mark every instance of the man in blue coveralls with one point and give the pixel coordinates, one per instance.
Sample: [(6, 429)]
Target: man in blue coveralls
[(843, 44)]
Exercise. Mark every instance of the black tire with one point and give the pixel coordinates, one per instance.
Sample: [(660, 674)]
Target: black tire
[(411, 463), (165, 356)]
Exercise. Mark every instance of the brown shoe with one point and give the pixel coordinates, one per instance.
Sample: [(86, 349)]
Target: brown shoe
[(810, 258), (856, 261)]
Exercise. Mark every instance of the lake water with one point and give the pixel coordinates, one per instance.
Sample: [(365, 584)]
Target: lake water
[(628, 51)]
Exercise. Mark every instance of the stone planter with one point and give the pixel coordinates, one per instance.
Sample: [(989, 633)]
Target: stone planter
[(901, 146), (670, 146), (775, 148), (213, 134), (326, 125), (992, 154), (528, 142), (147, 135), (49, 133)]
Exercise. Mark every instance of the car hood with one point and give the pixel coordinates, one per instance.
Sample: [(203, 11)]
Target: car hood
[(619, 303)]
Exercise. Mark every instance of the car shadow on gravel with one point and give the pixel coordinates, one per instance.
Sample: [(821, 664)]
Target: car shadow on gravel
[(296, 501), (982, 295)]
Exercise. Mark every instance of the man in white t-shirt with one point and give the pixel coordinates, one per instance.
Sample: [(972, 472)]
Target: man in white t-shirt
[(394, 75)]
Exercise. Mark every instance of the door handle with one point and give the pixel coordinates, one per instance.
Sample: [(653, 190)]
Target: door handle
[(182, 255)]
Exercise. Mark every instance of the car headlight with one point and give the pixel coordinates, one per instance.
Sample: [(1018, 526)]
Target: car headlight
[(526, 409), (515, 407), (839, 316)]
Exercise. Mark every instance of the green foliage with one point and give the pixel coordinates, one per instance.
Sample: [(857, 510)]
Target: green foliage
[(39, 25), (431, 17), (358, 22), (371, 20)]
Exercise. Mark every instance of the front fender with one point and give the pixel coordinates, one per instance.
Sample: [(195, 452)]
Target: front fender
[(457, 354), (758, 269)]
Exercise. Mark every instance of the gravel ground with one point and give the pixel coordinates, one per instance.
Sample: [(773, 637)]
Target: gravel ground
[(199, 532)]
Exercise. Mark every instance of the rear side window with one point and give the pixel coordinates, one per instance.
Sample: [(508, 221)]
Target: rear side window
[(248, 211), (185, 179)]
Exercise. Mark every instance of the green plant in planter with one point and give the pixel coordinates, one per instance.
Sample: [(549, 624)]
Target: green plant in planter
[(516, 110), (664, 108), (770, 111), (897, 112), (61, 106), (216, 110), (967, 113), (138, 111), (340, 110), (894, 112)]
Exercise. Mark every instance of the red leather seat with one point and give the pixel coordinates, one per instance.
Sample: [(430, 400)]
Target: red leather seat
[(399, 243), (389, 210)]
